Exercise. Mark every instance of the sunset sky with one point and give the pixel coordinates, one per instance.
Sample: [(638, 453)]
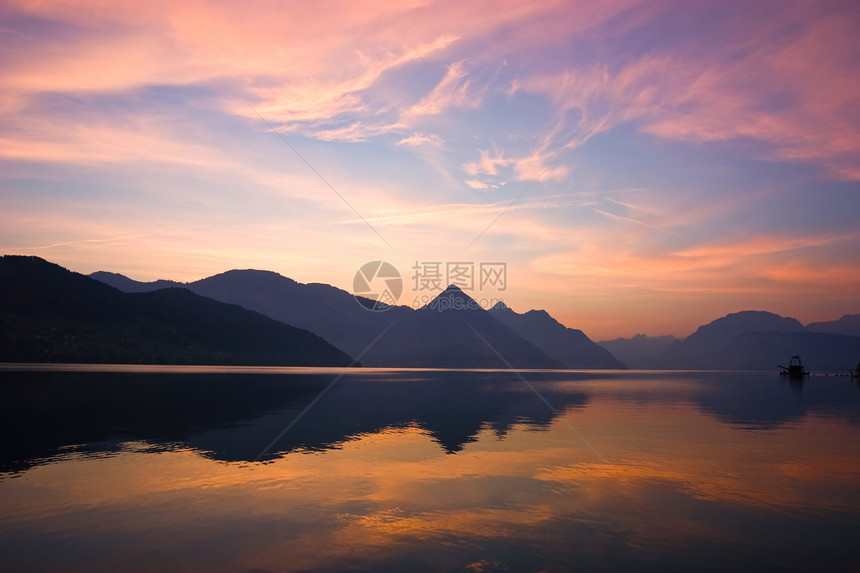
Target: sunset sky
[(640, 166)]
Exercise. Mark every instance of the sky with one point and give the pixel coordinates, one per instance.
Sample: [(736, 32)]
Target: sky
[(638, 167)]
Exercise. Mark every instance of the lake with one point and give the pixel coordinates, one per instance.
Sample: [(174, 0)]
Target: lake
[(266, 469)]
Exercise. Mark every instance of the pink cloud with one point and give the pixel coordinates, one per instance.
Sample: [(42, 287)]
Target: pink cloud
[(294, 65), (796, 95), (453, 91), (486, 164), (433, 139), (474, 184), (540, 165), (97, 143), (290, 62)]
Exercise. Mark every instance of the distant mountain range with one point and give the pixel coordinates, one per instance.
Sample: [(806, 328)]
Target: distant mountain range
[(259, 317), (849, 324), (452, 331), (757, 340), (568, 346), (463, 335), (637, 350), (50, 314), (747, 340)]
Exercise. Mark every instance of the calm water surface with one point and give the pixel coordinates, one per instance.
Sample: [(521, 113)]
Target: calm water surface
[(192, 470)]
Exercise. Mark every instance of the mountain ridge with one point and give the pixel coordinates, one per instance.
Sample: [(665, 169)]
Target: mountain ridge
[(399, 336), (51, 314), (748, 340), (756, 340), (632, 351), (848, 324), (569, 346)]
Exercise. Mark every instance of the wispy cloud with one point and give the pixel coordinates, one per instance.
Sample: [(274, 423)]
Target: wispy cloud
[(795, 94), (753, 265), (457, 210), (488, 163), (454, 91), (635, 147), (537, 166), (432, 139), (474, 184), (319, 102), (99, 142), (84, 242), (621, 218)]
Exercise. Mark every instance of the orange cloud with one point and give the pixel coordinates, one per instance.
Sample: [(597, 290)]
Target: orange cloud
[(94, 143), (738, 266)]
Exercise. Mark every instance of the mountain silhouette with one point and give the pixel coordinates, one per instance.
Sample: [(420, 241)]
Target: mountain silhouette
[(738, 323), (50, 314), (849, 324), (453, 331), (757, 340), (569, 346), (747, 340), (325, 310), (126, 284), (635, 351), (400, 336)]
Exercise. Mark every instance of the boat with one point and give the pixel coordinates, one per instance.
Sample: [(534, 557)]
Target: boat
[(794, 369)]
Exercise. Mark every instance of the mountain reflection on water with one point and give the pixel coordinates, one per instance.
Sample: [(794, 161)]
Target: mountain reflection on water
[(234, 417), (428, 471)]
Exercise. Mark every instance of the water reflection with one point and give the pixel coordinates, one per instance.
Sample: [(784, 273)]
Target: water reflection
[(755, 401), (233, 417), (433, 472)]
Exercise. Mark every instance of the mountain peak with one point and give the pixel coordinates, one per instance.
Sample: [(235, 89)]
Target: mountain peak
[(849, 324), (540, 313), (100, 324), (571, 347), (452, 298), (738, 323), (126, 284), (251, 275)]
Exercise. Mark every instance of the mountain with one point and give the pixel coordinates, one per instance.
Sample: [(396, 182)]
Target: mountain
[(126, 284), (635, 351), (50, 314), (757, 340), (325, 310), (739, 323), (571, 347), (453, 331), (434, 337), (849, 324), (397, 337)]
